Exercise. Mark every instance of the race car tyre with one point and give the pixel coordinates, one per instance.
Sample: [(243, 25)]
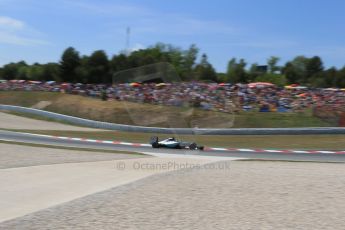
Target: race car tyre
[(192, 146), (155, 145), (153, 139)]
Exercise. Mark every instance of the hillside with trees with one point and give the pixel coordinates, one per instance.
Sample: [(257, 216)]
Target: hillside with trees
[(98, 67)]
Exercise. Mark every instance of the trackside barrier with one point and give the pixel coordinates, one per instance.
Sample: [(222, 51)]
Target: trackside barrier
[(201, 131)]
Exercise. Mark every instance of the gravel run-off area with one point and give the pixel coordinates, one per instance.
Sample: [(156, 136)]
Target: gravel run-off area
[(246, 195)]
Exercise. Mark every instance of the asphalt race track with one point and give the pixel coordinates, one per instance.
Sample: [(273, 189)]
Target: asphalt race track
[(38, 139)]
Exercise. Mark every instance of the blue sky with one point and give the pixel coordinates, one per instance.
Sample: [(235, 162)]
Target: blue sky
[(39, 31)]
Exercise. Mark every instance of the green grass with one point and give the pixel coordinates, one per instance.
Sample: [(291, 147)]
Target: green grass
[(69, 148), (317, 142), (278, 120), (26, 99), (155, 115)]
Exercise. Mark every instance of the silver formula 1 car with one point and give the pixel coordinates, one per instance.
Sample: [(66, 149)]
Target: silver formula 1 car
[(173, 143)]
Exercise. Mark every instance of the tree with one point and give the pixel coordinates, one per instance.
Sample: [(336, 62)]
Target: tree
[(98, 66), (35, 72), (277, 79), (253, 72), (22, 71), (295, 70), (70, 61), (330, 77), (188, 62), (291, 73), (118, 62), (9, 71), (236, 72), (14, 71), (221, 77), (231, 69), (183, 61), (204, 70), (314, 66), (176, 58), (51, 72), (82, 71), (272, 64), (340, 78)]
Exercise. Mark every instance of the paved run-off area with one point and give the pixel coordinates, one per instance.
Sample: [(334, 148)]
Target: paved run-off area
[(10, 121), (221, 195), (35, 178), (14, 156)]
